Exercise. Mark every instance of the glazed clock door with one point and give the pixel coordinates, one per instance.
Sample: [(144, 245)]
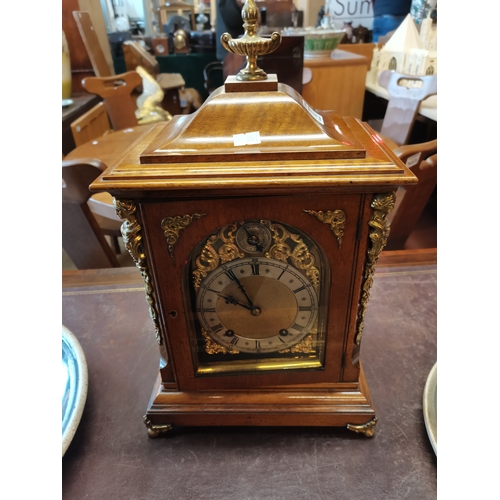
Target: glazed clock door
[(256, 291)]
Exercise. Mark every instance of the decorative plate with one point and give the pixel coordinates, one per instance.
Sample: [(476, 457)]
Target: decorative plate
[(74, 385), (429, 403)]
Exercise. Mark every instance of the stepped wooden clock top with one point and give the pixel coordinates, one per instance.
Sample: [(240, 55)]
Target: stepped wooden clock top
[(250, 134), (254, 133), (246, 124)]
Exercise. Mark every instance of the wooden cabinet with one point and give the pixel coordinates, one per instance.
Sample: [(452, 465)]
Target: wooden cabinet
[(337, 84)]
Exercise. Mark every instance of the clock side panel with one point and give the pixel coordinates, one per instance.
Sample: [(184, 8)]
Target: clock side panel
[(157, 312), (351, 365), (330, 220)]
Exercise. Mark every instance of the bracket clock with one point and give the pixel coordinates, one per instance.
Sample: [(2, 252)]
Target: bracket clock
[(256, 223)]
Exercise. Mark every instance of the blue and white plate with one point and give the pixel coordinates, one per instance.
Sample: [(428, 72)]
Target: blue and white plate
[(74, 385)]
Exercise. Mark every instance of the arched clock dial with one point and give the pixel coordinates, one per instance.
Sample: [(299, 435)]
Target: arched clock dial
[(257, 294), (257, 305)]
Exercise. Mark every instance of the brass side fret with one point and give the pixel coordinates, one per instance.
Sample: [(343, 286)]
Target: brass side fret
[(132, 238), (382, 204)]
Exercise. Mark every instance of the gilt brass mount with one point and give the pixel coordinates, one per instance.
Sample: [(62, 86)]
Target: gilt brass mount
[(335, 219), (172, 226), (251, 45), (222, 247), (380, 227), (155, 430), (367, 429), (132, 238)]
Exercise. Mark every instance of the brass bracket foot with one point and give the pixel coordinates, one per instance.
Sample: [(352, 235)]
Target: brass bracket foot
[(156, 430), (367, 429)]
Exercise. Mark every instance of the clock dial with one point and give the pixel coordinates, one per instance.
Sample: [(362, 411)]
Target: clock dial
[(256, 298), (253, 237), (257, 305)]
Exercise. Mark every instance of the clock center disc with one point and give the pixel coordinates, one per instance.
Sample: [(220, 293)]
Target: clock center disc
[(275, 301)]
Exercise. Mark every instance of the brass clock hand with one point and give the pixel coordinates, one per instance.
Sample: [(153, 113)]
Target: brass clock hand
[(253, 239), (231, 300), (230, 274), (255, 310)]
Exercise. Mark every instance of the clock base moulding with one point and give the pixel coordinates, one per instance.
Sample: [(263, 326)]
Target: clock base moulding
[(340, 404)]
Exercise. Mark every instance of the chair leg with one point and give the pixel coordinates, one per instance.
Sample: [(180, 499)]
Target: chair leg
[(116, 245)]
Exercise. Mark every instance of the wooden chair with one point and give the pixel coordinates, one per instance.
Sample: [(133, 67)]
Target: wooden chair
[(92, 44), (411, 201), (91, 125), (122, 111), (106, 75), (135, 56), (116, 92), (85, 222), (406, 92)]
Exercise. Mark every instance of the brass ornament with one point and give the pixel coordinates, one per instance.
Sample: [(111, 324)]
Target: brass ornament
[(367, 429), (172, 226), (219, 248), (304, 347), (335, 219), (250, 44), (300, 256), (156, 430), (382, 204), (132, 238), (212, 347)]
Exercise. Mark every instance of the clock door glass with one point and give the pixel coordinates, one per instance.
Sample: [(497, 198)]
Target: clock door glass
[(257, 292)]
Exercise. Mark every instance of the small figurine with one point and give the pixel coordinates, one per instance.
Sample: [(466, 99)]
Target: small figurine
[(148, 103)]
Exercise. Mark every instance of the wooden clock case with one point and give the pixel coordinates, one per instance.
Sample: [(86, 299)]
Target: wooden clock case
[(299, 166)]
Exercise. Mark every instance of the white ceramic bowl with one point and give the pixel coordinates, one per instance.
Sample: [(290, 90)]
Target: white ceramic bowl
[(318, 42)]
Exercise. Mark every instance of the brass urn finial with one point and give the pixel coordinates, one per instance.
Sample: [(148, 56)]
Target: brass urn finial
[(250, 44)]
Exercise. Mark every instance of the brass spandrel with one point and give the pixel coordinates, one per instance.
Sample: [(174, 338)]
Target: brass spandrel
[(335, 219), (172, 227)]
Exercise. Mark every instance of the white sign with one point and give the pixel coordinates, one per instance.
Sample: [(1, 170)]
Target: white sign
[(359, 12)]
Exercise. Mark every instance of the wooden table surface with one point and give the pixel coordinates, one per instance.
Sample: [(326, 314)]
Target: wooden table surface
[(112, 146), (112, 457)]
